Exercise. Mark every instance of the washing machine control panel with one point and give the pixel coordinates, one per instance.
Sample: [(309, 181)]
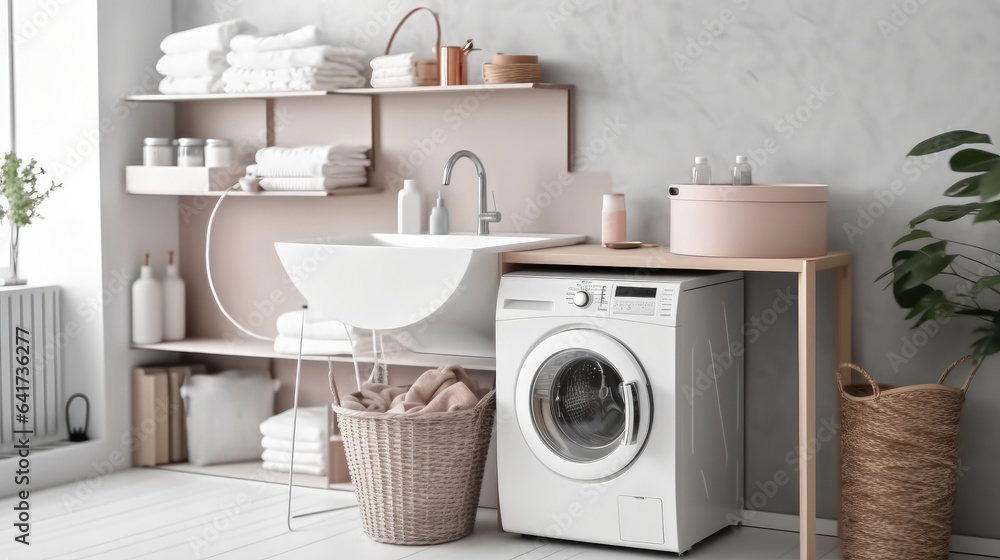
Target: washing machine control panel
[(621, 299), (634, 300), (587, 294)]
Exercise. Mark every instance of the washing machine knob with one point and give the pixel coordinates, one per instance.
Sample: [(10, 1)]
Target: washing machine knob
[(581, 299)]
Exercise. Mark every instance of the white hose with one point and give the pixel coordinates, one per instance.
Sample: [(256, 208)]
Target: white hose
[(208, 269)]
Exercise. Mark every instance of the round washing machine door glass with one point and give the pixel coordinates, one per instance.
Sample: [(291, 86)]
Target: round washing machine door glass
[(583, 404)]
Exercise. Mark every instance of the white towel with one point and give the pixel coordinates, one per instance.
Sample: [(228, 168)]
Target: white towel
[(317, 83), (404, 60), (319, 55), (301, 457), (305, 446), (300, 469), (314, 154), (398, 72), (253, 75), (401, 81), (293, 168), (191, 84), (214, 37), (201, 63), (290, 324), (308, 36), (312, 184), (311, 347), (311, 425)]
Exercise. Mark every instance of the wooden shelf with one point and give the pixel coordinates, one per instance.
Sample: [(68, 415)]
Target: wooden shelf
[(254, 348), (209, 181), (349, 91)]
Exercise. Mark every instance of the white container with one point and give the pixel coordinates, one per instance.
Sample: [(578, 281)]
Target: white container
[(440, 222), (190, 152), (701, 173), (147, 307), (224, 412), (613, 226), (158, 152), (173, 302), (410, 212), (767, 221), (218, 153), (742, 172)]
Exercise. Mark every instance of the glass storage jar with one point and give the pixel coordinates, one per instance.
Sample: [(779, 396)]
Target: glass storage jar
[(218, 153), (158, 152), (190, 152)]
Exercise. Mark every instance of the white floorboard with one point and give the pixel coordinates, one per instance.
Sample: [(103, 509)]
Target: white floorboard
[(156, 513)]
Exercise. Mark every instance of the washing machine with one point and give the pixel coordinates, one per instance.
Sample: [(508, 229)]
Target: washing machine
[(619, 405)]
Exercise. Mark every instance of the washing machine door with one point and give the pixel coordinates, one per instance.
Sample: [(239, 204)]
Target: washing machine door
[(583, 405)]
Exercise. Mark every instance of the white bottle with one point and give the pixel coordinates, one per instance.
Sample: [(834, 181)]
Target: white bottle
[(439, 217), (410, 211), (147, 307), (701, 173), (173, 302), (742, 171)]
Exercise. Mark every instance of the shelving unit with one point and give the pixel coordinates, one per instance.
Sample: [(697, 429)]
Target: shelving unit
[(350, 91)]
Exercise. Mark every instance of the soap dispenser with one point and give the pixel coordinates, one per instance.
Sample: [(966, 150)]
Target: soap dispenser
[(147, 307), (439, 217), (173, 302), (410, 212)]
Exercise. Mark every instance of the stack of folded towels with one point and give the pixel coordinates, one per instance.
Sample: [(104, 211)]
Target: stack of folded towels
[(311, 168), (312, 441), (402, 70), (295, 61), (321, 336), (194, 60)]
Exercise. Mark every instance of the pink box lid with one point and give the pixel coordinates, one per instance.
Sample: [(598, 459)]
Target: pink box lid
[(751, 193)]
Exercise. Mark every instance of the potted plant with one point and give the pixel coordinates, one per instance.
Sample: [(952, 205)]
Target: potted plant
[(18, 184), (899, 445)]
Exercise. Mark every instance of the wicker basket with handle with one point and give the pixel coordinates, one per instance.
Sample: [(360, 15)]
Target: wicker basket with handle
[(417, 476), (899, 467), (426, 67)]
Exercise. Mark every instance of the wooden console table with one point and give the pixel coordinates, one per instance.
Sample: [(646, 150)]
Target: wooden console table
[(839, 262)]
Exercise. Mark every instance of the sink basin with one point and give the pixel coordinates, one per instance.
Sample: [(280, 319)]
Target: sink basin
[(433, 293)]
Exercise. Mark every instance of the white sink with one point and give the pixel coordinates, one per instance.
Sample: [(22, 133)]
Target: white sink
[(433, 293)]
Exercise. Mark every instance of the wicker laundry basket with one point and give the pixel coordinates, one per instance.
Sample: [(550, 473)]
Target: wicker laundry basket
[(899, 467), (417, 476)]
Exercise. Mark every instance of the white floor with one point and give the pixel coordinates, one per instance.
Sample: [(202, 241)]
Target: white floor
[(152, 513)]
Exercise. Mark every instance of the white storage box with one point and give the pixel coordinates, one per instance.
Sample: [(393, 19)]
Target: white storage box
[(766, 221), (224, 412)]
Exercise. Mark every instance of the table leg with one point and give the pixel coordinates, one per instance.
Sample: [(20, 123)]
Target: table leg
[(807, 411), (843, 302)]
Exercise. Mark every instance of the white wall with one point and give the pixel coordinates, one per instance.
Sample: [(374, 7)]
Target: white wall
[(936, 70)]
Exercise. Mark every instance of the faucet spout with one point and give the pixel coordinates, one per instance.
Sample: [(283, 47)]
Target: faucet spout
[(483, 216)]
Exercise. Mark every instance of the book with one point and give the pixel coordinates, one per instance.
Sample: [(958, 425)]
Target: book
[(177, 417), (150, 417)]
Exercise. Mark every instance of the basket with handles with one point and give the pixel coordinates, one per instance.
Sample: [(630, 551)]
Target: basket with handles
[(417, 477), (899, 467), (424, 66)]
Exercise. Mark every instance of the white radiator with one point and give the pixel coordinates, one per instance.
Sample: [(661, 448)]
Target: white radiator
[(33, 314)]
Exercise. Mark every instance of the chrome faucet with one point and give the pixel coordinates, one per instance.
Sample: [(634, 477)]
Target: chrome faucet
[(483, 218)]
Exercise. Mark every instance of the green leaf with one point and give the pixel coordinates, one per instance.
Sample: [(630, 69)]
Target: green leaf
[(968, 186), (920, 267), (989, 184), (947, 141), (946, 213), (971, 160), (910, 298), (915, 234), (989, 211), (987, 344), (984, 283)]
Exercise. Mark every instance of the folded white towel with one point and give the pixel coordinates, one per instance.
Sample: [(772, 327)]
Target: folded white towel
[(400, 81), (399, 72), (290, 324), (301, 457), (254, 75), (311, 425), (314, 154), (292, 168), (191, 84), (312, 184), (310, 347), (214, 37), (201, 63), (317, 83), (405, 60), (300, 469), (303, 445), (318, 55), (307, 36)]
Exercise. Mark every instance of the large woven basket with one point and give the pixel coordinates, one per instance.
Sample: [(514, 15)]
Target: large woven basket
[(418, 476), (899, 467)]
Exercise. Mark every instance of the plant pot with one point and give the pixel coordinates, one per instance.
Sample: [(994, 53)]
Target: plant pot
[(899, 467)]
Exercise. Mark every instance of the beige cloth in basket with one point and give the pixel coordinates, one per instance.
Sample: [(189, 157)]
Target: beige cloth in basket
[(445, 389)]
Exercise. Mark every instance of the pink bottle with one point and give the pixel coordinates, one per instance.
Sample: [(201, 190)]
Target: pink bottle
[(613, 219)]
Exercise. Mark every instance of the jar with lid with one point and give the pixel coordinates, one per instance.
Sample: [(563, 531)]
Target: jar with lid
[(190, 152), (158, 152), (218, 153)]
